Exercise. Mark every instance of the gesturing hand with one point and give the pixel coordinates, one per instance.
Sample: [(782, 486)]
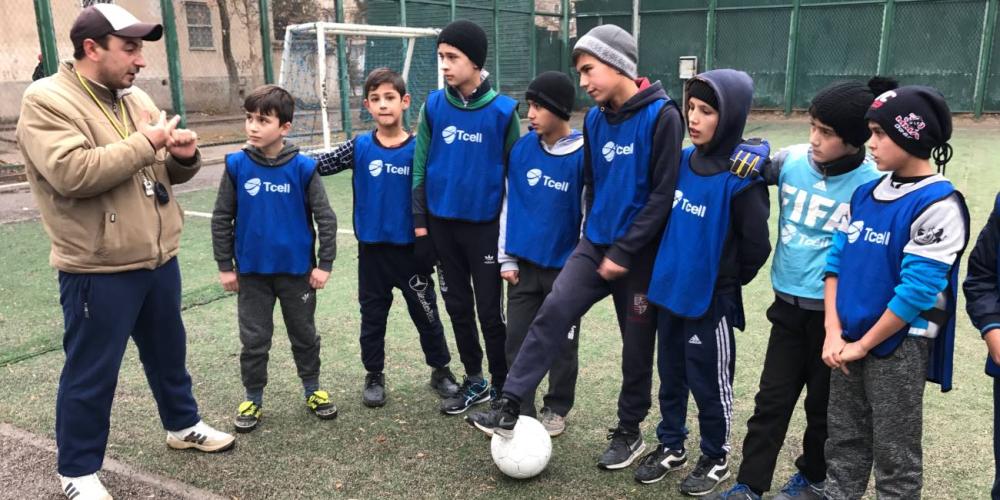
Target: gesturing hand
[(157, 132), (182, 143)]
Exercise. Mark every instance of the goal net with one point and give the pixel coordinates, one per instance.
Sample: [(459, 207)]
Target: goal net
[(324, 66)]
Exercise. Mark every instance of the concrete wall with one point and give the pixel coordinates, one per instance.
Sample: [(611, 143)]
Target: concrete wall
[(205, 80)]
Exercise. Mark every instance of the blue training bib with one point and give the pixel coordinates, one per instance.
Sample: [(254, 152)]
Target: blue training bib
[(383, 183), (619, 159), (274, 228), (872, 258), (687, 262), (465, 159), (543, 203)]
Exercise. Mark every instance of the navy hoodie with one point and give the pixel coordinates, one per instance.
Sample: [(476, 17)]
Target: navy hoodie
[(747, 242)]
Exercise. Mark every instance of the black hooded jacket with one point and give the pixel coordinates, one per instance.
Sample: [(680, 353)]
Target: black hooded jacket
[(747, 244)]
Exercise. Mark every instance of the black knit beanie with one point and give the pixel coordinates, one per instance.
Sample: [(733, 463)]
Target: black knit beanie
[(916, 118), (842, 106), (702, 90), (468, 37), (553, 91)]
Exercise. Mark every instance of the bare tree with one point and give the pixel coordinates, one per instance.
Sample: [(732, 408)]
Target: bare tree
[(227, 54)]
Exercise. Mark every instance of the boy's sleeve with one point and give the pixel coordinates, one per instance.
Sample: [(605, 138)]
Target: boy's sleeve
[(326, 222), (832, 267), (750, 210), (982, 295), (507, 262), (588, 176), (664, 166), (419, 197), (338, 160), (223, 224), (772, 170), (513, 131), (937, 238)]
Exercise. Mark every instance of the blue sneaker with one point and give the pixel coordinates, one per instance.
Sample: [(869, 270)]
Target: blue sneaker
[(739, 491), (799, 488), (468, 394)]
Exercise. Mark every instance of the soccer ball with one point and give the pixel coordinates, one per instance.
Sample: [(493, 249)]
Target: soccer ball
[(526, 453)]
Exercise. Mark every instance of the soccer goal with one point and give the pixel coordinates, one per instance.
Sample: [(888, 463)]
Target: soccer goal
[(324, 66)]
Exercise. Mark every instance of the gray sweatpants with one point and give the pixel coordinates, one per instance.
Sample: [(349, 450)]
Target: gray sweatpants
[(255, 307), (875, 418)]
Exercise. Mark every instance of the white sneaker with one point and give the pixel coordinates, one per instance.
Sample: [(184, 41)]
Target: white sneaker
[(87, 487), (201, 437)]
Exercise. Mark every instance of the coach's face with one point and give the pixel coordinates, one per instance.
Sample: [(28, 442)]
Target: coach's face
[(120, 62)]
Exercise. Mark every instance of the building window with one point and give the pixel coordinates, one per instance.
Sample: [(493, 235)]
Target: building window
[(87, 3), (199, 24)]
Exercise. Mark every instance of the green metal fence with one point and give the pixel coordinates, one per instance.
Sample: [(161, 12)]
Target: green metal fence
[(526, 37), (792, 48)]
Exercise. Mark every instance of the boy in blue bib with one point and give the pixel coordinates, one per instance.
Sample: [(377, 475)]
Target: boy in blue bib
[(539, 227), (269, 199), (715, 242), (383, 226), (815, 182), (982, 302), (890, 293), (630, 163), (465, 133)]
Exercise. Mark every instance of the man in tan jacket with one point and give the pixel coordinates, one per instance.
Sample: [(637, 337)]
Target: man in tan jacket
[(101, 160)]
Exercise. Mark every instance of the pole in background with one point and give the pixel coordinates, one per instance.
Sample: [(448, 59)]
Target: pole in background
[(985, 53), (173, 60), (888, 15), (265, 40), (710, 35), (791, 63), (46, 36), (345, 90)]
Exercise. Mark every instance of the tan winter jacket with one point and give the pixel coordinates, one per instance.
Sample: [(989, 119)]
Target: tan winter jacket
[(88, 182)]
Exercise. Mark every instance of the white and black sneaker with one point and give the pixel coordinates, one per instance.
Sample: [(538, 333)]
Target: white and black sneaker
[(706, 476), (625, 447), (655, 466), (87, 487), (201, 437)]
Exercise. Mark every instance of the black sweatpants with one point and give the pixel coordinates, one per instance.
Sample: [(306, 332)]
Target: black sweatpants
[(470, 283), (793, 361), (577, 288), (380, 269), (523, 301)]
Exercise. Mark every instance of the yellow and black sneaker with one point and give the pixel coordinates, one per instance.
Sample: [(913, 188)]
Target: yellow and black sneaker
[(320, 404), (247, 417)]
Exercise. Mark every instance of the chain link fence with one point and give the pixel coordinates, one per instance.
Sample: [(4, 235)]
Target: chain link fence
[(792, 48)]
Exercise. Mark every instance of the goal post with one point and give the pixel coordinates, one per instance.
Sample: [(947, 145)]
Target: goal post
[(310, 51)]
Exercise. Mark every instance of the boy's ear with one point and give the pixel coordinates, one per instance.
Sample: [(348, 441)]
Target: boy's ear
[(406, 101), (285, 128)]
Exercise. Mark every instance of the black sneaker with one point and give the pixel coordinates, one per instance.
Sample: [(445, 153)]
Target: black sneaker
[(499, 419), (443, 382), (373, 395), (655, 466), (625, 447), (706, 476), (468, 394)]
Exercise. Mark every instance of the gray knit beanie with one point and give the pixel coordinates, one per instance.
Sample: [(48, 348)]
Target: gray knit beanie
[(612, 46)]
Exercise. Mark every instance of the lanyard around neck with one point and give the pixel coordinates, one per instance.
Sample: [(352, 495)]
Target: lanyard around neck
[(120, 127)]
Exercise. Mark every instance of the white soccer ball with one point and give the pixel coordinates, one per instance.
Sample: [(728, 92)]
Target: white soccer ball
[(526, 453)]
